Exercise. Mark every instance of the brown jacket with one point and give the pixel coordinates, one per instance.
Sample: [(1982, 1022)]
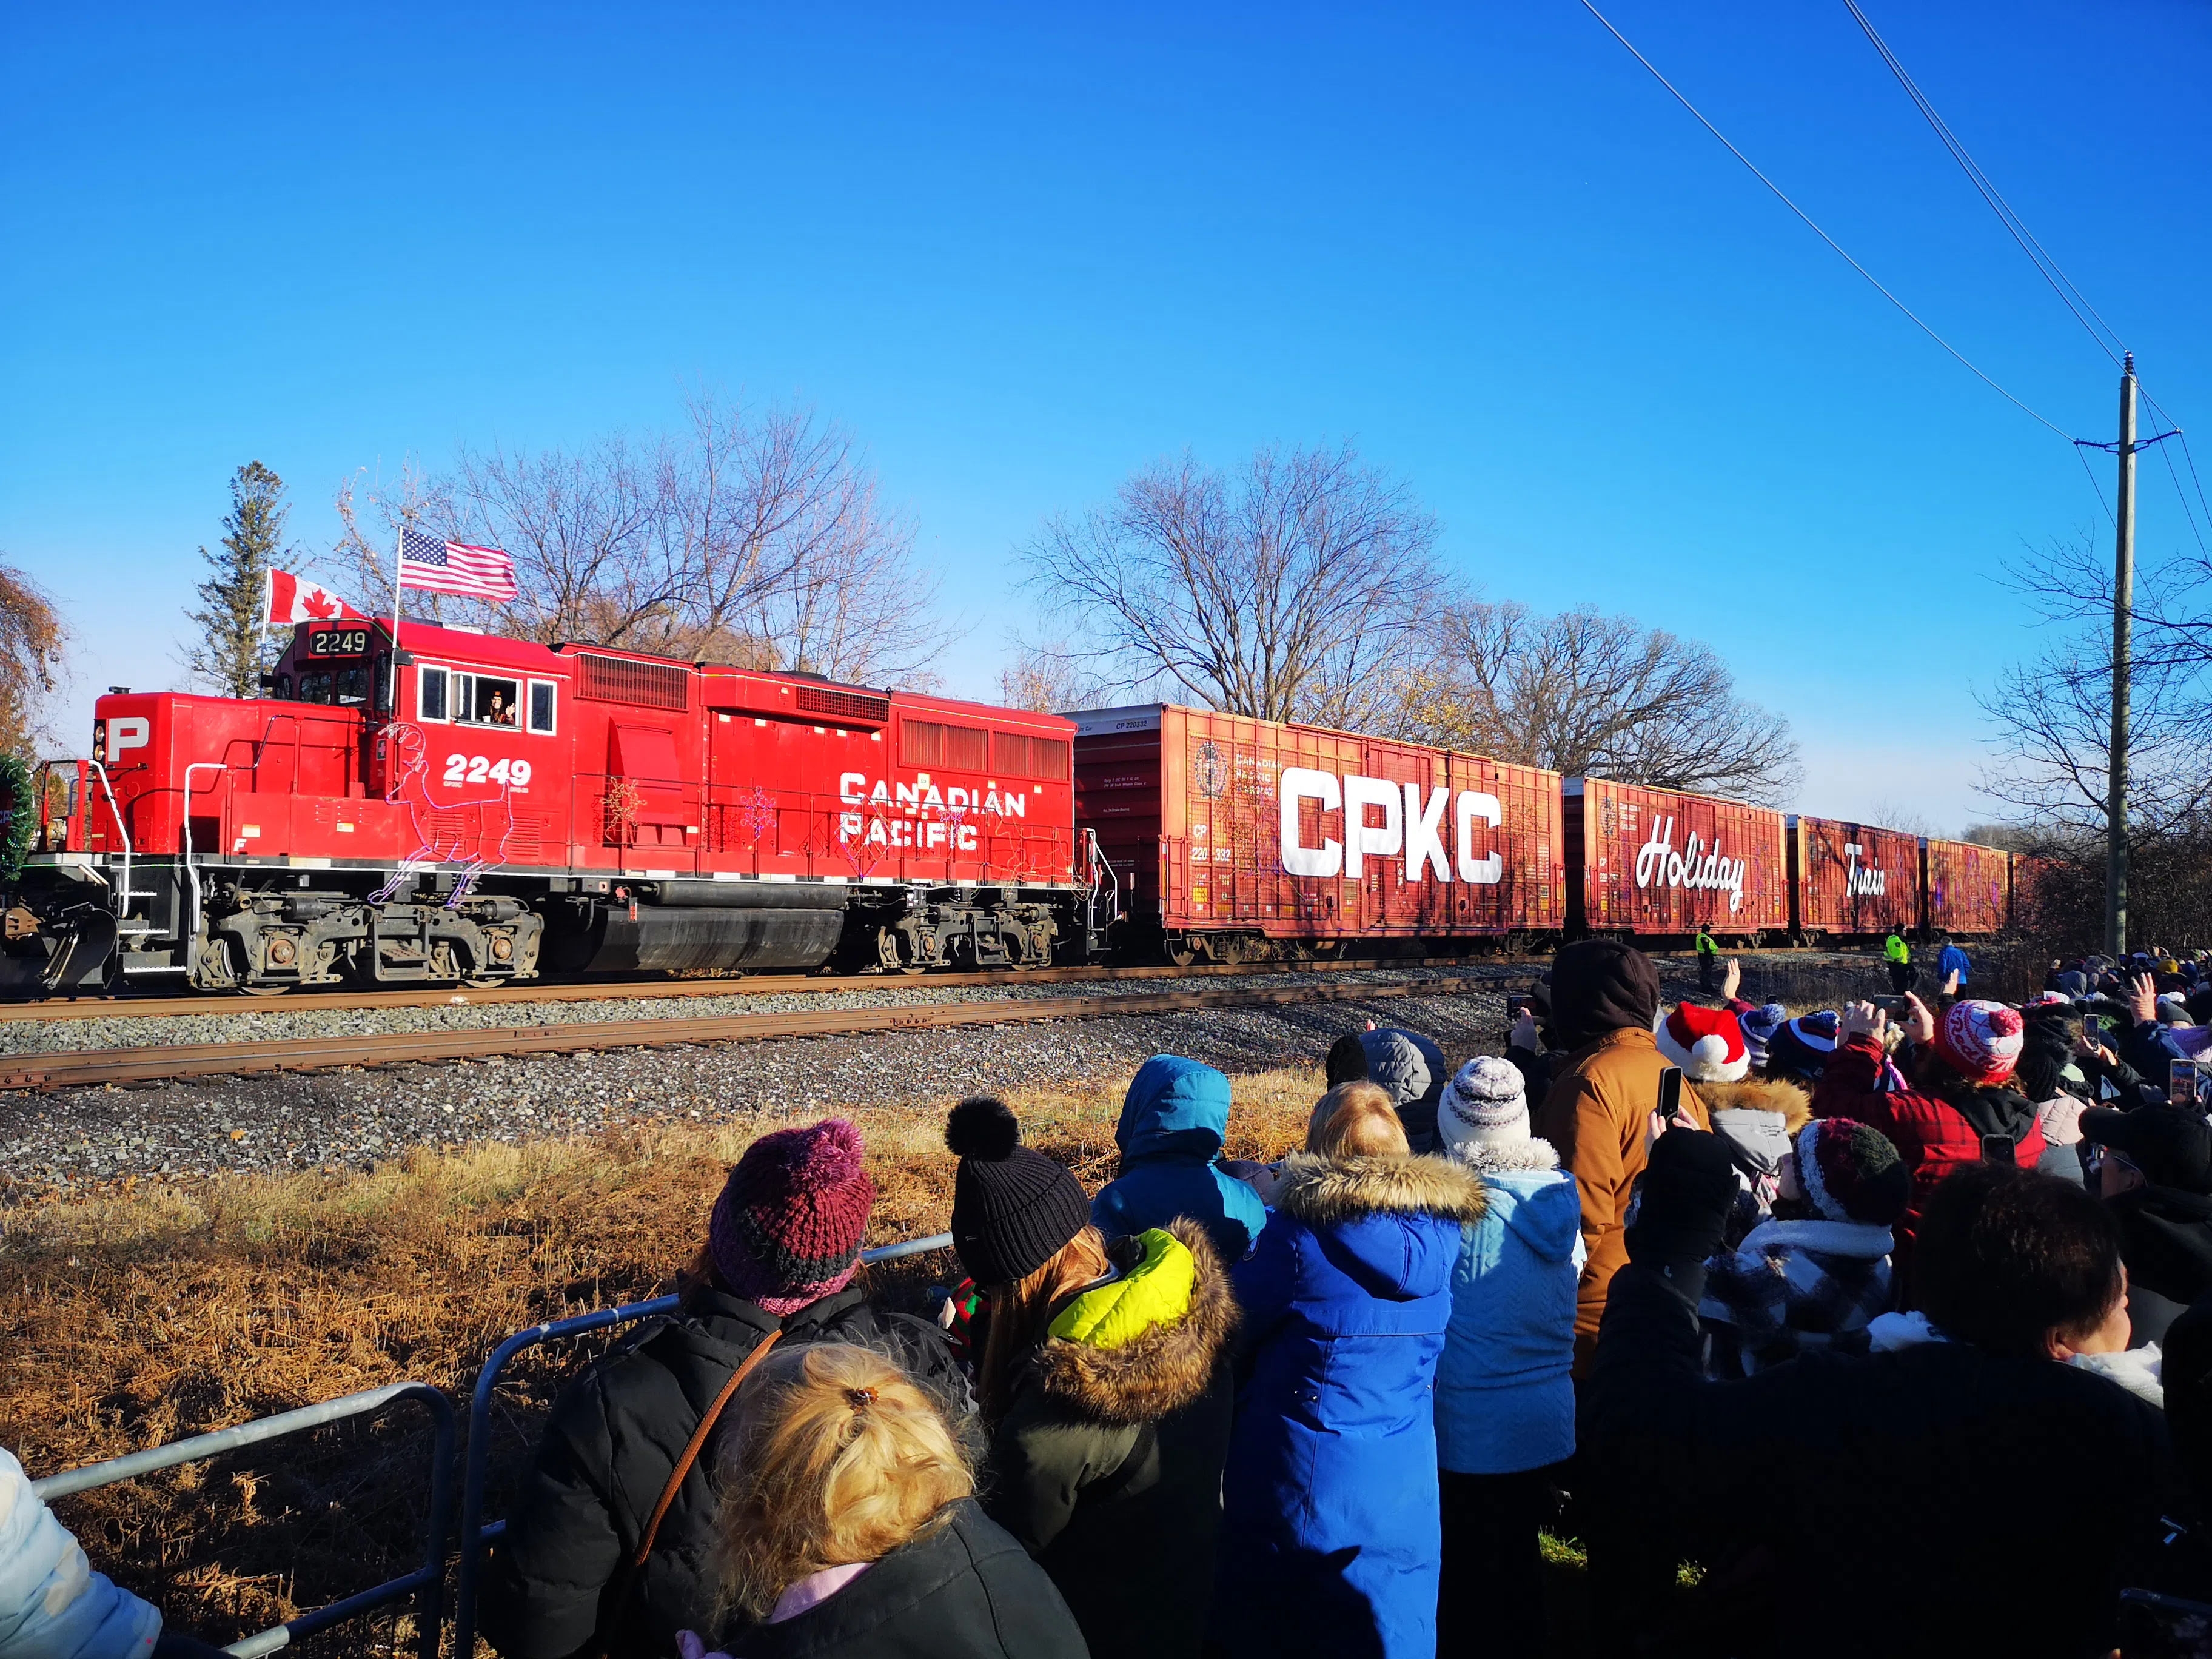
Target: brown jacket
[(1596, 1116)]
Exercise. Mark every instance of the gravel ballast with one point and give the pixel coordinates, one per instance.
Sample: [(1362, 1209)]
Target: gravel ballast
[(357, 1118)]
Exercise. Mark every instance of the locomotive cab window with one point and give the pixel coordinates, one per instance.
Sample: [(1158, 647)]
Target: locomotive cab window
[(481, 700), (444, 694), (541, 706)]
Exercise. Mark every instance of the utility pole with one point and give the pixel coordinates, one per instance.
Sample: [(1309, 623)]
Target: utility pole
[(2124, 599)]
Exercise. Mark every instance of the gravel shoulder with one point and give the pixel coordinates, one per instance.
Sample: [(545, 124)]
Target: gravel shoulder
[(354, 1119)]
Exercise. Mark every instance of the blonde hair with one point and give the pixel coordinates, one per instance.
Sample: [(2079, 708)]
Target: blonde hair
[(1021, 1312), (833, 1454), (1356, 1120)]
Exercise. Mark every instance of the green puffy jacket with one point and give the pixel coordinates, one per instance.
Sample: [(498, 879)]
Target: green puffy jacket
[(1894, 949), (1108, 1465)]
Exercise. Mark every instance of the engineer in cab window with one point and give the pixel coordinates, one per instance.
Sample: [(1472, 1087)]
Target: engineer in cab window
[(497, 713)]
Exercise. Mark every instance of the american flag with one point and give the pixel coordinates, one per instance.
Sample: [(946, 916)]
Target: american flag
[(482, 573)]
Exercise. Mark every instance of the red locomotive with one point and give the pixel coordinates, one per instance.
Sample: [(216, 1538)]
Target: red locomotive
[(471, 809), (467, 810)]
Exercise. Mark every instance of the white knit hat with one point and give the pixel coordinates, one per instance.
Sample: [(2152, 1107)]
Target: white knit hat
[(1486, 1104)]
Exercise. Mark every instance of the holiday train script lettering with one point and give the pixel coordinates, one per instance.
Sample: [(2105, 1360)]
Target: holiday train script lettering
[(1657, 863)]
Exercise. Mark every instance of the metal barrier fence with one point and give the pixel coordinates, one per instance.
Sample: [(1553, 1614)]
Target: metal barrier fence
[(475, 1533), (428, 1580)]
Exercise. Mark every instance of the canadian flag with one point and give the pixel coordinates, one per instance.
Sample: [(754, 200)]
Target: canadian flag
[(291, 600)]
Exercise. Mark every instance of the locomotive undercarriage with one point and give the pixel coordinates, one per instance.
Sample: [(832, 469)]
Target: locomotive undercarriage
[(966, 929), (263, 930)]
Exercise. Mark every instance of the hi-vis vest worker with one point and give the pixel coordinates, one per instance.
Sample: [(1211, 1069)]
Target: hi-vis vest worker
[(1895, 949), (1413, 826)]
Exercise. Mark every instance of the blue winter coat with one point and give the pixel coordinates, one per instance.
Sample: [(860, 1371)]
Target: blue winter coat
[(1951, 956), (1172, 1122), (1330, 1538), (52, 1605), (1504, 1399)]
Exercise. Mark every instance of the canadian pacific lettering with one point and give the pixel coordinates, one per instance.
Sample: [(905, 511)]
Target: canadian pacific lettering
[(919, 814)]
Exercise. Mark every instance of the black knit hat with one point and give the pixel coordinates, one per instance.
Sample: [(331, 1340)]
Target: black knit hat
[(1347, 1061), (1012, 1209)]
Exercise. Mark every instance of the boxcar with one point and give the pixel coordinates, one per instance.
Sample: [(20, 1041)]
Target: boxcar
[(1849, 879), (1661, 862), (1234, 838), (1968, 887), (2032, 893)]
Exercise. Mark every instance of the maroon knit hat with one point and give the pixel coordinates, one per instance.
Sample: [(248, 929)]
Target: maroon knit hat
[(786, 1230), (1852, 1172)]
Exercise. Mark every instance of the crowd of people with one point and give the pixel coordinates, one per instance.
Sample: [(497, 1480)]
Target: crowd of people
[(1895, 1320)]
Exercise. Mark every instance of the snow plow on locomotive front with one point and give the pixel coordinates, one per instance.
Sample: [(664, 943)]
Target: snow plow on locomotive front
[(467, 810)]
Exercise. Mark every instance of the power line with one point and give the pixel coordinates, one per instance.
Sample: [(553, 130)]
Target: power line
[(2069, 292), (1781, 197), (2037, 255)]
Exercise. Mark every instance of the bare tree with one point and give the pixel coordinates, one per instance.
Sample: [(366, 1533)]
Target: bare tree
[(1046, 680), (1293, 589), (1887, 814), (2053, 719), (33, 640), (1586, 693), (755, 540)]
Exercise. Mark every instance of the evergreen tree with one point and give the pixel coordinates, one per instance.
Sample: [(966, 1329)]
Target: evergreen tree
[(230, 652)]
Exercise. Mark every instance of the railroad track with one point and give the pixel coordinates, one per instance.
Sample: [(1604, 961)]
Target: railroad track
[(67, 1069), (155, 1007)]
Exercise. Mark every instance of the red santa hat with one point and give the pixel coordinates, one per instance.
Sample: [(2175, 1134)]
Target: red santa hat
[(1707, 1044)]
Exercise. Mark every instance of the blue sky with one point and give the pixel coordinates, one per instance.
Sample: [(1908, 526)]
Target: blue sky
[(1022, 254)]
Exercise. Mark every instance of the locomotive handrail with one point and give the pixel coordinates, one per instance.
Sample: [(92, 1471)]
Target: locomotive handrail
[(476, 1533), (123, 895), (191, 870), (429, 1578)]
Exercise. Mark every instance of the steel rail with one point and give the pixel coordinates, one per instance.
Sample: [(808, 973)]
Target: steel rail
[(157, 1004), (153, 1063)]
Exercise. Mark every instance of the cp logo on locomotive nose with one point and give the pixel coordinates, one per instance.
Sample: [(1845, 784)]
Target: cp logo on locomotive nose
[(1209, 771)]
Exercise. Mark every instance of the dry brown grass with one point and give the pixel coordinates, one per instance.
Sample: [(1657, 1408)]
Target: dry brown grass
[(142, 1313)]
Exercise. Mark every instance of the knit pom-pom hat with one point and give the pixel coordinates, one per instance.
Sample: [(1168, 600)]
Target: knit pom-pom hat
[(1852, 1172), (1981, 1041), (1486, 1104), (1759, 1026), (1707, 1044), (1013, 1209), (786, 1230)]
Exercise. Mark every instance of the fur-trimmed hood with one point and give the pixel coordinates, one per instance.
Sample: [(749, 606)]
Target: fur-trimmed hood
[(1319, 1190), (1790, 1102), (1496, 1158), (1159, 1371)]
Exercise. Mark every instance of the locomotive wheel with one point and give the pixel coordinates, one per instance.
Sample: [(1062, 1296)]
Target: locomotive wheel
[(262, 990), (895, 949)]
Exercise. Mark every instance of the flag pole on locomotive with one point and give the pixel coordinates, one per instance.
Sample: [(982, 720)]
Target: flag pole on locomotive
[(398, 570)]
